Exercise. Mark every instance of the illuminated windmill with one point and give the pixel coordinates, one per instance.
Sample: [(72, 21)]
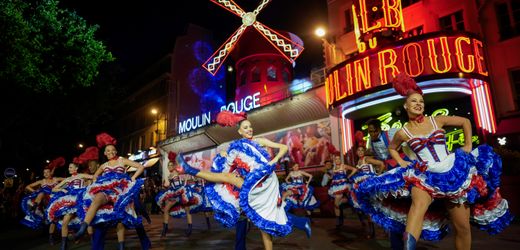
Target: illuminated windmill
[(289, 49)]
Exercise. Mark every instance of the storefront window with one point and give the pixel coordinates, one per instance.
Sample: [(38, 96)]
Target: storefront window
[(349, 25), (508, 19), (255, 74), (454, 21), (454, 136), (271, 74), (285, 76)]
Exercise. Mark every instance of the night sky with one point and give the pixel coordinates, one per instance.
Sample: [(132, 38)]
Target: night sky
[(138, 33)]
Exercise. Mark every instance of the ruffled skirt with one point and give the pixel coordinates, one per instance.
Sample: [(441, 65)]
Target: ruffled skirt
[(302, 196), (62, 203), (34, 217), (259, 198), (181, 197), (205, 204), (472, 179), (338, 185), (120, 191)]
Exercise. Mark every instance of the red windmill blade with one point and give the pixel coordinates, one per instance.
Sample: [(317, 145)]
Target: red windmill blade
[(289, 49)]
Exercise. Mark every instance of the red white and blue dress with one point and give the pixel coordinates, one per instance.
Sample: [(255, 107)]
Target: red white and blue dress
[(182, 196), (119, 190), (63, 203), (458, 177), (34, 217), (302, 195), (199, 188), (338, 185), (259, 198)]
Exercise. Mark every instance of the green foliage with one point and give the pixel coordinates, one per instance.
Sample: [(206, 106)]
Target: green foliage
[(47, 49)]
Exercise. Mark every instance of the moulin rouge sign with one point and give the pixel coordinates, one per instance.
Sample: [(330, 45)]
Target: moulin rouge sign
[(421, 56)]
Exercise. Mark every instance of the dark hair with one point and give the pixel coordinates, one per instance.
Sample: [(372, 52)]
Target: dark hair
[(240, 122), (327, 161), (374, 122)]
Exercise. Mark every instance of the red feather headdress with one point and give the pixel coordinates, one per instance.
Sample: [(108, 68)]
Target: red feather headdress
[(91, 153), (229, 119), (405, 85), (171, 156), (56, 163), (360, 139), (104, 139)]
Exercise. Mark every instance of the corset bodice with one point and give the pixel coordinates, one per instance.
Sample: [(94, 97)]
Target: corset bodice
[(430, 148), (118, 168)]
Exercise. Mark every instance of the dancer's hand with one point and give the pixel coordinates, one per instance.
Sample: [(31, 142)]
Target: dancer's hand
[(166, 183), (133, 179), (272, 162), (467, 148), (404, 164), (223, 153)]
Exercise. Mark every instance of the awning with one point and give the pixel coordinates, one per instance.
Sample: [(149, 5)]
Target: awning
[(306, 107)]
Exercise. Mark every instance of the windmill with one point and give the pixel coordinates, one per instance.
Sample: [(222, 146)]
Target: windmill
[(289, 49)]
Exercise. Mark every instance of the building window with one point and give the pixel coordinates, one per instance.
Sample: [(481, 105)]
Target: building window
[(255, 77), (406, 3), (271, 74), (349, 25), (508, 19), (414, 32), (515, 81), (453, 21), (285, 76), (243, 78)]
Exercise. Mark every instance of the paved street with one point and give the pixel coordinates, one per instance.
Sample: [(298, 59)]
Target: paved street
[(325, 237)]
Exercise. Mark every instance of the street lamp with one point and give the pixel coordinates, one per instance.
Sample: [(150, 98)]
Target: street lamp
[(156, 113), (328, 47), (80, 145)]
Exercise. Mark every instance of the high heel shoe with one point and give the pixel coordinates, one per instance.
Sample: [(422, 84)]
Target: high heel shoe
[(409, 241), (164, 230), (185, 167), (189, 230), (82, 230)]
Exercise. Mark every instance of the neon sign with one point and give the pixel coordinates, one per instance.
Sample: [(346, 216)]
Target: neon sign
[(432, 55), (243, 105), (377, 19), (455, 137)]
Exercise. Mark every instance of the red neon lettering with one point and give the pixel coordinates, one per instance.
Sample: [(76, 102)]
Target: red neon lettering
[(328, 91), (348, 76), (445, 55), (384, 65), (392, 13), (460, 55), (415, 60), (364, 18), (362, 73), (337, 88), (481, 66)]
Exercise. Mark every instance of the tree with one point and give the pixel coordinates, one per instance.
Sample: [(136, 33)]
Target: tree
[(47, 49)]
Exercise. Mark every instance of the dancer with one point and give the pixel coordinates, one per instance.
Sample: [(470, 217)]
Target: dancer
[(297, 193), (464, 184), (338, 186), (205, 205), (109, 199), (35, 203), (244, 180), (366, 170), (65, 202), (176, 200)]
